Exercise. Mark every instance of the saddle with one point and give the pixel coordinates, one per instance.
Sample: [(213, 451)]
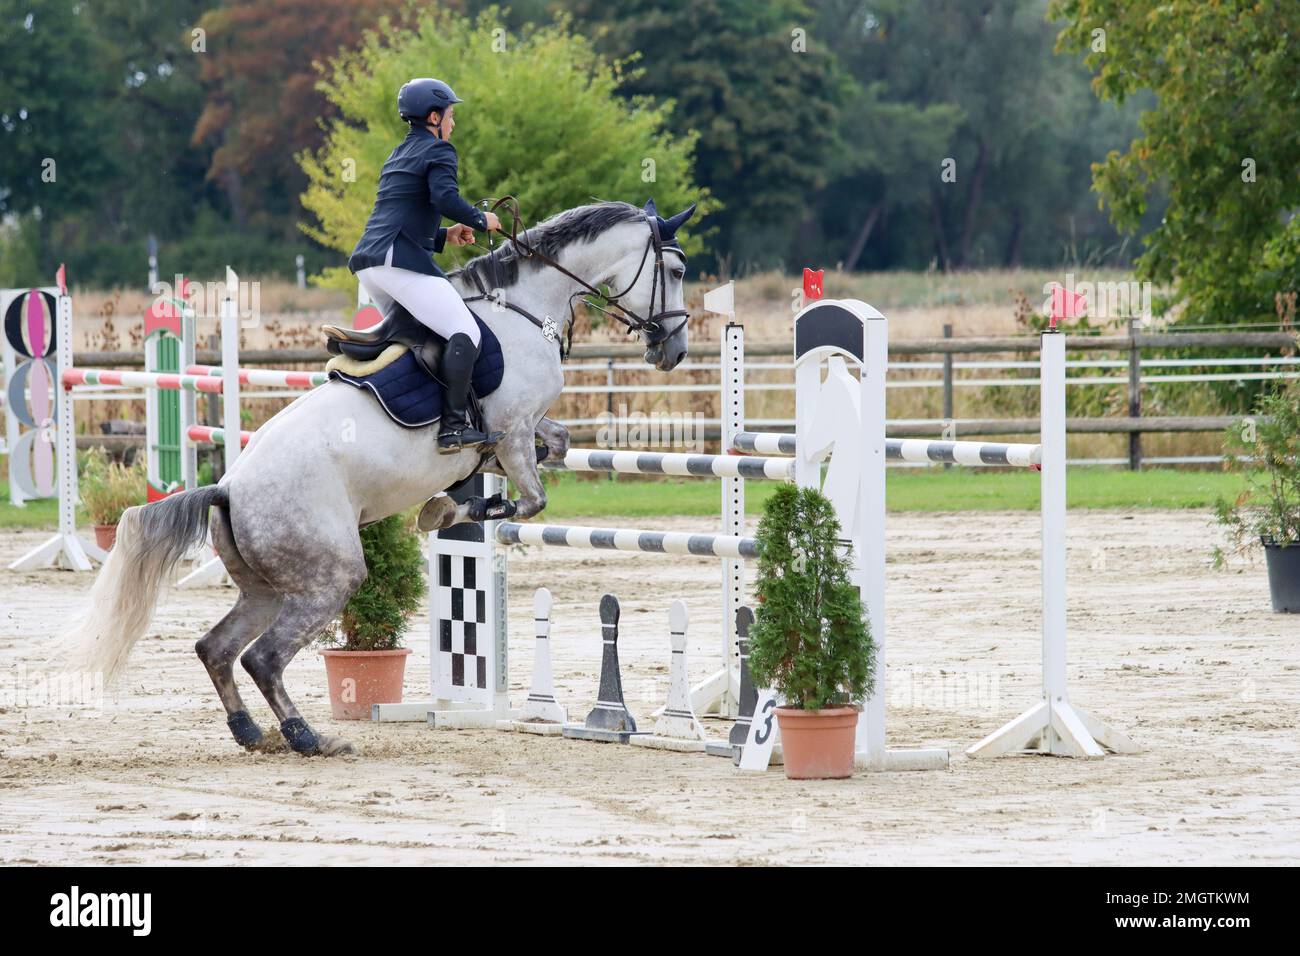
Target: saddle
[(398, 360), (398, 327)]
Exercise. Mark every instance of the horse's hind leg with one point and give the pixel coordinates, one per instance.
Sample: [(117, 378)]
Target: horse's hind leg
[(253, 612), (302, 617), (314, 559)]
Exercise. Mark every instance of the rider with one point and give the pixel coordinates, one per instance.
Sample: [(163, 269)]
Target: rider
[(417, 187)]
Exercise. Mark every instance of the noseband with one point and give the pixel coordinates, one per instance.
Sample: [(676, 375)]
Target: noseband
[(653, 327)]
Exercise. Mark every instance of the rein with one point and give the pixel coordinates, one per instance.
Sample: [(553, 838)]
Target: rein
[(651, 326)]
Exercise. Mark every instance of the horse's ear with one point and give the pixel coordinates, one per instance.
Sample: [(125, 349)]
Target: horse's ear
[(650, 209), (671, 226)]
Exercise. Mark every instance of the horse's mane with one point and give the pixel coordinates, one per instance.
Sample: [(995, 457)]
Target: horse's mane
[(500, 268)]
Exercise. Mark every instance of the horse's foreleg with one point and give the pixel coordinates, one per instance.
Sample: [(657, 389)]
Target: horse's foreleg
[(551, 442), (518, 457), (556, 438)]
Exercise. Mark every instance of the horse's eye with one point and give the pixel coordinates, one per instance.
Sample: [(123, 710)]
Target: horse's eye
[(679, 274)]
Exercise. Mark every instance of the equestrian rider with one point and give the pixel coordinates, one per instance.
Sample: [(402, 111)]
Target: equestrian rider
[(392, 260)]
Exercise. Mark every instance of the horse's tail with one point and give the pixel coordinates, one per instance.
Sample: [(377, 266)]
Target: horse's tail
[(150, 540)]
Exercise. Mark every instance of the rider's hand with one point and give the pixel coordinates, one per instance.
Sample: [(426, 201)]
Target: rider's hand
[(493, 223), (460, 235)]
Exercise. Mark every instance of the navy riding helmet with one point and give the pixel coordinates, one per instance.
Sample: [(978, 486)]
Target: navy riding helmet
[(418, 98)]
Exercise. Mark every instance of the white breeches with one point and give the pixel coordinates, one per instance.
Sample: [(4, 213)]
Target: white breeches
[(431, 299)]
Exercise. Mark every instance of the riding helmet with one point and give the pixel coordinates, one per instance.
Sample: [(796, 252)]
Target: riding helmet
[(419, 97)]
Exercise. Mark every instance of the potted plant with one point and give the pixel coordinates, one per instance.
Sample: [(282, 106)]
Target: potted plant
[(810, 640), (364, 660), (107, 488), (1266, 450)]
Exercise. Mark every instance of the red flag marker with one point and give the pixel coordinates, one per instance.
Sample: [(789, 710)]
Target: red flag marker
[(812, 283)]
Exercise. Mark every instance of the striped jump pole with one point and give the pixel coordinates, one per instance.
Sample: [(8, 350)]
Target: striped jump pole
[(659, 463), (163, 380), (207, 435), (265, 377), (622, 539), (764, 443), (198, 378), (917, 450)]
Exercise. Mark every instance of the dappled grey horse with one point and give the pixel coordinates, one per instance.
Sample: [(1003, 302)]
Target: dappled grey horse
[(285, 519)]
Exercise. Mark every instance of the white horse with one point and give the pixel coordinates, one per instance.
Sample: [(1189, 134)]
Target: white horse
[(285, 519)]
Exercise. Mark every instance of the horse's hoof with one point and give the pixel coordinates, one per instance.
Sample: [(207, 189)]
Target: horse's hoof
[(245, 730), (438, 512), (300, 737), (334, 747)]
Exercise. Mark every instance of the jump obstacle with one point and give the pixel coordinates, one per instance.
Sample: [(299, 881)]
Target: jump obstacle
[(835, 410)]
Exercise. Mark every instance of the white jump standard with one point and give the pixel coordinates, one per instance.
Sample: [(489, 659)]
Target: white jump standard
[(1054, 726)]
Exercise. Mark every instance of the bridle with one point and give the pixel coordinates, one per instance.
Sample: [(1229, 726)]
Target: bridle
[(654, 327)]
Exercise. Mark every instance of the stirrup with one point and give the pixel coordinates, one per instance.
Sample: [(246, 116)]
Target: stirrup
[(449, 442)]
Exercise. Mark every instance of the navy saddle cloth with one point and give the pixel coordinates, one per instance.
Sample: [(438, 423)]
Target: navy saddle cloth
[(413, 399)]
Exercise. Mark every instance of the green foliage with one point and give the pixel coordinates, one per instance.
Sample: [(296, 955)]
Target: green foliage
[(1226, 76), (540, 121), (107, 487), (376, 615), (766, 111), (1269, 506), (810, 639)]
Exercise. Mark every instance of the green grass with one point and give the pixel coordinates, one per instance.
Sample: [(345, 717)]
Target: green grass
[(908, 489)]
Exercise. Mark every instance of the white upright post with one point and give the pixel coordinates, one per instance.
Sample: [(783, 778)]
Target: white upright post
[(1052, 515), (733, 513), (188, 400), (1054, 726), (230, 370), (870, 559)]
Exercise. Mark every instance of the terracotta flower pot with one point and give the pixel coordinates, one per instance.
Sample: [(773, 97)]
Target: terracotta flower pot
[(818, 744), (106, 536), (358, 679)]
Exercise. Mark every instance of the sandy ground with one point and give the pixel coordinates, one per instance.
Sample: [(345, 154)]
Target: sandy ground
[(1189, 661)]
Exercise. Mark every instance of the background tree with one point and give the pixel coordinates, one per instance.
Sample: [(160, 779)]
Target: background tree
[(1222, 139), (262, 104), (52, 154)]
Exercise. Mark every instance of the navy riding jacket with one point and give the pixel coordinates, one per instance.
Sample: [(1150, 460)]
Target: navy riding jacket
[(417, 187)]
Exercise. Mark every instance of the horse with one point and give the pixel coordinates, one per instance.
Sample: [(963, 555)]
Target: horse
[(285, 519)]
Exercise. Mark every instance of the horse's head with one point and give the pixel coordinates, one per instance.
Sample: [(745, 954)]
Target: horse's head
[(653, 301), (626, 262)]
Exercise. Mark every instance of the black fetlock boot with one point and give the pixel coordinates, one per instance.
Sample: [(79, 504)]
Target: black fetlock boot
[(455, 433)]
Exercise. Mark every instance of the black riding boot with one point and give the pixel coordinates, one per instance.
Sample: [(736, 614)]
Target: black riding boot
[(455, 432)]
